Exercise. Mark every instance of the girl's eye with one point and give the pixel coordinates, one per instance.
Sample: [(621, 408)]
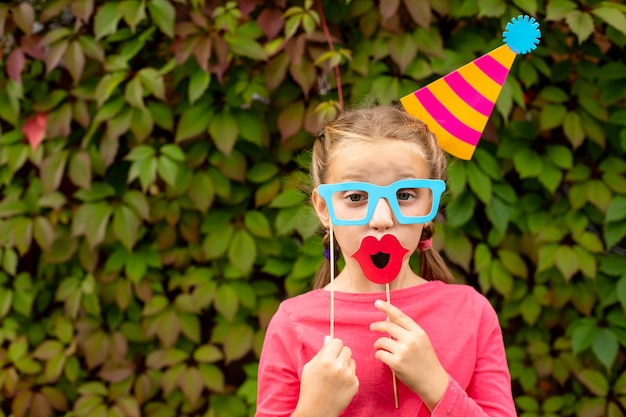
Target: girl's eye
[(356, 197), (404, 195)]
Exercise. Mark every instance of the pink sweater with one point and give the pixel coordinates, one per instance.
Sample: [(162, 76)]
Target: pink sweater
[(461, 324)]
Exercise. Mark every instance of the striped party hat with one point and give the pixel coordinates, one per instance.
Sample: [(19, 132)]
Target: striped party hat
[(457, 106)]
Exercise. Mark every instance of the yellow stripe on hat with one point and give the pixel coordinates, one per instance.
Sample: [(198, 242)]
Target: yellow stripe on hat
[(457, 106), (448, 142), (503, 55)]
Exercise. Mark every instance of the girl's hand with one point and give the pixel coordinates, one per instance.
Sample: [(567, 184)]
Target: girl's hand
[(409, 353), (328, 382)]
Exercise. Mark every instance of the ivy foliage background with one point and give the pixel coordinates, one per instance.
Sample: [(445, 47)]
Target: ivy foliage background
[(153, 155)]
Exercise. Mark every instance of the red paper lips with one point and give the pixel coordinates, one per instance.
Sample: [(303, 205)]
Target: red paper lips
[(380, 260)]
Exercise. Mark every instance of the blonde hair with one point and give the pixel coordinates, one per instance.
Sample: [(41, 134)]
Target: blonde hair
[(371, 125)]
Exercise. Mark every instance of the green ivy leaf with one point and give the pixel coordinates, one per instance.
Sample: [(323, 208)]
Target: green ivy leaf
[(616, 209), (133, 93), (529, 6), (233, 166), (460, 210), (530, 310), (208, 354), (106, 20), (479, 182), (586, 262), (193, 122), (566, 261), (126, 226), (552, 116), (261, 172), (550, 176), (133, 12), (43, 232), (457, 177), (611, 16), (560, 156), (614, 233), (599, 194), (80, 169), (288, 198), (573, 128), (528, 163), (242, 251), (514, 263), (52, 170), (247, 47), (237, 342), (161, 114), (594, 381), (91, 220), (198, 84), (167, 170), (581, 24), (141, 123), (494, 8), (402, 49), (458, 248), (216, 243), (163, 14), (227, 301), (547, 257), (501, 279), (212, 376), (201, 191), (106, 86), (257, 224)]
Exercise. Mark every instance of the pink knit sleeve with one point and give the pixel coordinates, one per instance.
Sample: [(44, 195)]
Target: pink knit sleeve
[(489, 392), (278, 379)]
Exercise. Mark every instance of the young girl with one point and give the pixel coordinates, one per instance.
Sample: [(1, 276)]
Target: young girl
[(437, 348)]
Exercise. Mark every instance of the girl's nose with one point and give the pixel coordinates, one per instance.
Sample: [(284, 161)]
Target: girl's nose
[(382, 218)]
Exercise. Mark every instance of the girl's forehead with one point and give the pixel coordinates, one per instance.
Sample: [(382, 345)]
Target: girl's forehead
[(377, 161)]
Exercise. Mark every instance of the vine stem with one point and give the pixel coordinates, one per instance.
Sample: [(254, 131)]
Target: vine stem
[(329, 39)]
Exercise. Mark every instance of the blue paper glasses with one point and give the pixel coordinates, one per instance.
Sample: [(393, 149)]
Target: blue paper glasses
[(412, 201)]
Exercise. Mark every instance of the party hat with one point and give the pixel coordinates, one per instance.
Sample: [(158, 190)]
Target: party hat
[(457, 106)]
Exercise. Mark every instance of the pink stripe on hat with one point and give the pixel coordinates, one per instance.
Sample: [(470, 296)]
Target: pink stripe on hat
[(495, 70), (446, 119), (468, 93)]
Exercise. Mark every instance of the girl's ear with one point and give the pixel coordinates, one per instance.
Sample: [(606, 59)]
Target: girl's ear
[(319, 204)]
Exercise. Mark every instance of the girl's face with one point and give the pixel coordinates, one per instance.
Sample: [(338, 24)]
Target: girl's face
[(379, 163)]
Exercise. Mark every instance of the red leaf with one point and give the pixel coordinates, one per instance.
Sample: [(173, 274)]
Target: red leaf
[(15, 64), (202, 52), (290, 120), (295, 48), (304, 75), (35, 129), (221, 50), (388, 8), (31, 45), (247, 6), (271, 22)]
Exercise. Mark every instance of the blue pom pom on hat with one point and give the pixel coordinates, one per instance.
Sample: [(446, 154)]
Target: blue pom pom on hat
[(522, 34)]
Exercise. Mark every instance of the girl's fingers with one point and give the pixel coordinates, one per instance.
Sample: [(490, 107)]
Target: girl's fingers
[(389, 327), (331, 348), (396, 315), (345, 355)]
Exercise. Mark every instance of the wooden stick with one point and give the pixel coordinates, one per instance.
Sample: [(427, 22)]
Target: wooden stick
[(393, 374), (332, 282)]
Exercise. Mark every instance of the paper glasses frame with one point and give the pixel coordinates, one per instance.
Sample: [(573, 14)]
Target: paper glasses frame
[(388, 192)]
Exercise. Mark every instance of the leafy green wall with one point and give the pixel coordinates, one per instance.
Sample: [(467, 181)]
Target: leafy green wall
[(153, 155)]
